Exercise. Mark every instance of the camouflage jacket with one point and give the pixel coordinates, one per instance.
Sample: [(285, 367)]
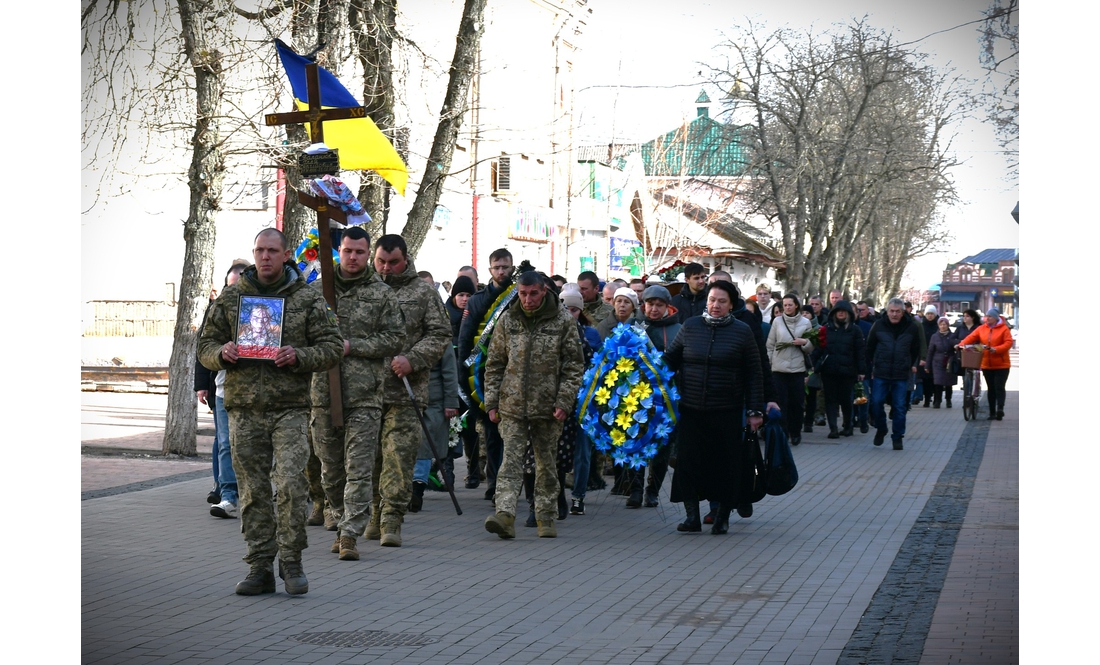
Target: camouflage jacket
[(427, 335), (307, 325), (535, 363), (598, 311), (371, 321)]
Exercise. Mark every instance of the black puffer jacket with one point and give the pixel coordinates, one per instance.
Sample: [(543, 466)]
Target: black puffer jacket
[(843, 353), (893, 349), (455, 315), (476, 308), (718, 367), (689, 304)]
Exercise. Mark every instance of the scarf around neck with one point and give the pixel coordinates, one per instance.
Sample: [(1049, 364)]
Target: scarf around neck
[(716, 321)]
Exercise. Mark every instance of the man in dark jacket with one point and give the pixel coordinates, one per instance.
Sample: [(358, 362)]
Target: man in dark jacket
[(893, 351), (477, 308), (692, 298)]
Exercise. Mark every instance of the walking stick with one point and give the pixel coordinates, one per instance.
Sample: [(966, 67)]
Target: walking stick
[(435, 451)]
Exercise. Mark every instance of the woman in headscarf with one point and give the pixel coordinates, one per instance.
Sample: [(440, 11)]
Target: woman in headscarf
[(941, 351), (719, 377)]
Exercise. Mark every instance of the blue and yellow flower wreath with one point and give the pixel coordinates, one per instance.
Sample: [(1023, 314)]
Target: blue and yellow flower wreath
[(628, 404), (307, 256), (476, 361)]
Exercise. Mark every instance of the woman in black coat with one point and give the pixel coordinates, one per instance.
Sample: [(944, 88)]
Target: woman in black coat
[(969, 321), (719, 376), (941, 351), (841, 362)]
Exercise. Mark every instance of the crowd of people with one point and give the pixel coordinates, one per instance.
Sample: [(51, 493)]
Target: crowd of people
[(355, 409)]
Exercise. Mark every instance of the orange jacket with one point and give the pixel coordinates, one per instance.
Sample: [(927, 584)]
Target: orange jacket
[(997, 340)]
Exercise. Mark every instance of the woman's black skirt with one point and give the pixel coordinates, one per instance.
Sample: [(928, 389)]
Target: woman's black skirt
[(711, 459)]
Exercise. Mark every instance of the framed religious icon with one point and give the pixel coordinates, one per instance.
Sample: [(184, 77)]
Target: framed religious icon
[(260, 326)]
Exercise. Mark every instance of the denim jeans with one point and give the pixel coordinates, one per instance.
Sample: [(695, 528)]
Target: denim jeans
[(894, 390), (421, 470), (214, 451), (227, 478), (582, 461)]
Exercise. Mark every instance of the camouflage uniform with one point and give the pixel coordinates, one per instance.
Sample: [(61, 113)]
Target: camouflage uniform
[(427, 338), (371, 321), (598, 310), (268, 409), (535, 364)]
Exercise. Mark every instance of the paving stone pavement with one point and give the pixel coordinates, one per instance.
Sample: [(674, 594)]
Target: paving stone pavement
[(788, 585)]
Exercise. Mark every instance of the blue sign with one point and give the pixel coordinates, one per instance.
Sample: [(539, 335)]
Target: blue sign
[(622, 248)]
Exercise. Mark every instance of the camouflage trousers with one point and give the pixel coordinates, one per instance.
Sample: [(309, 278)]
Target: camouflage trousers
[(347, 464), (313, 472), (260, 442), (393, 463), (543, 436)]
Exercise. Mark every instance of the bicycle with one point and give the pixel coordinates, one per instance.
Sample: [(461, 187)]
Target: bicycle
[(972, 380)]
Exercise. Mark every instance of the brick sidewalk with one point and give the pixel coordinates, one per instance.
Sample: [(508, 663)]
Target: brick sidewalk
[(788, 585)]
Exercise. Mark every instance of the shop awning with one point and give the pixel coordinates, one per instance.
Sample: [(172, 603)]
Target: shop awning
[(970, 296)]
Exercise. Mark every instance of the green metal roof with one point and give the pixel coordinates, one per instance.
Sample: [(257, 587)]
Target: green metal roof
[(702, 147)]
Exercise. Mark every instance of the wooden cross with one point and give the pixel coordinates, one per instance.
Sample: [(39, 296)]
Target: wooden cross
[(315, 116)]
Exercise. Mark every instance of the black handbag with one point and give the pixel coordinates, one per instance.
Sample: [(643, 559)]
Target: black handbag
[(780, 472)]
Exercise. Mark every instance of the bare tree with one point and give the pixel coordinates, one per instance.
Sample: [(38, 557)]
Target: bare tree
[(844, 122), (470, 29), (373, 28), (999, 37), (156, 80)]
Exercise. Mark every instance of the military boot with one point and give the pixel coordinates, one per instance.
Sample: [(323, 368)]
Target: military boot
[(348, 551), (294, 578), (331, 520), (374, 528), (260, 579), (502, 524), (317, 516), (336, 546), (391, 534), (546, 529)]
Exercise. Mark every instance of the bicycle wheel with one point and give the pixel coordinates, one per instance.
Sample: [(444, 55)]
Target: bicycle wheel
[(968, 398)]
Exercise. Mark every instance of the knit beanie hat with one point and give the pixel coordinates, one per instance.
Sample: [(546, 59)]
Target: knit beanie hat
[(627, 292), (463, 284)]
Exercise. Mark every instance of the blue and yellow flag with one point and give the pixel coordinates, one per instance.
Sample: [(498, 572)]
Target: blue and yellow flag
[(361, 144)]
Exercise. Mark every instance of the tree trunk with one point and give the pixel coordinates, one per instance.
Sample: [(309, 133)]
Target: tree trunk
[(373, 25), (467, 44), (204, 179)]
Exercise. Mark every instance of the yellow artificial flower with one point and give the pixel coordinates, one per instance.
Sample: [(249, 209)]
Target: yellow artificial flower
[(617, 437), (641, 390), (612, 377), (602, 395), (630, 403), (625, 365), (623, 420)]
